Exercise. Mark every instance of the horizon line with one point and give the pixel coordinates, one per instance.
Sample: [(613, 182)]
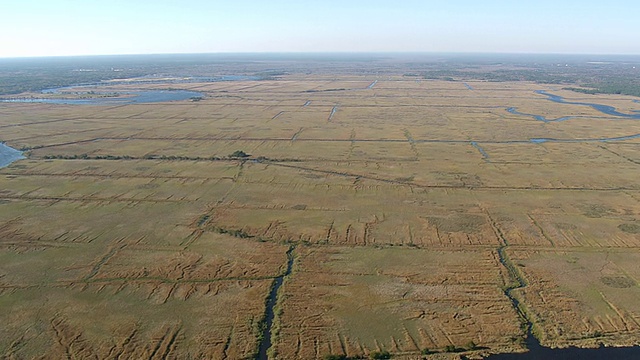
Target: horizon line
[(378, 53)]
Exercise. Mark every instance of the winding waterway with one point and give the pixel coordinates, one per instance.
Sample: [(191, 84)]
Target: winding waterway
[(539, 117), (605, 109), (8, 155)]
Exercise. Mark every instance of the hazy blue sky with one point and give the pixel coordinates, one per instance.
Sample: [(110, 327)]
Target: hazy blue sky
[(84, 27)]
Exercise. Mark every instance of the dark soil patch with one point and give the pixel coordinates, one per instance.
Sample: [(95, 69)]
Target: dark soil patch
[(597, 211), (148, 186), (620, 282), (458, 223), (405, 179), (565, 226), (630, 228)]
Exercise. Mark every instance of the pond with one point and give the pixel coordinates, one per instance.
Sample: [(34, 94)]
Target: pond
[(8, 155), (128, 97)]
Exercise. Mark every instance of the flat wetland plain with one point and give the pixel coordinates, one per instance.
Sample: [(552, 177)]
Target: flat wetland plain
[(417, 212)]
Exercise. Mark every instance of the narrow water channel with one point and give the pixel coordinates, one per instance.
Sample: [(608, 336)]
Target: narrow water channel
[(481, 150), (539, 117), (333, 112), (271, 303)]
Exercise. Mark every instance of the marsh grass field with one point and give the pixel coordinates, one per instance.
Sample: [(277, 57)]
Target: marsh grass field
[(418, 211)]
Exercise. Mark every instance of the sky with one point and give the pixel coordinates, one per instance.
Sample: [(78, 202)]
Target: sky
[(100, 27)]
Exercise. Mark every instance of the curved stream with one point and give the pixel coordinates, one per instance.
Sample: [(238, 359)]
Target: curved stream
[(539, 117), (605, 109)]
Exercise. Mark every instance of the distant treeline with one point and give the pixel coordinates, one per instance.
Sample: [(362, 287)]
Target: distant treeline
[(499, 76), (36, 77), (623, 88), (587, 74), (610, 78), (37, 74)]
